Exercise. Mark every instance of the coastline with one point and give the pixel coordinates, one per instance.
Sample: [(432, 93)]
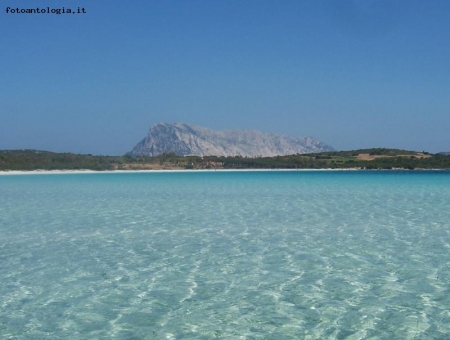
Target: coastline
[(66, 172), (63, 172)]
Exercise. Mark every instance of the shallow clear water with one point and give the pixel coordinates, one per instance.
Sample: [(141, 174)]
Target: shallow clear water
[(237, 255)]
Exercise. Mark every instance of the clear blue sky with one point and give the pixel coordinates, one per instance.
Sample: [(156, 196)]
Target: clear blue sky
[(352, 73)]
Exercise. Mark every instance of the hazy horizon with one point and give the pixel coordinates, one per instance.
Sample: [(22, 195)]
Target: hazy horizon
[(353, 74), (104, 154)]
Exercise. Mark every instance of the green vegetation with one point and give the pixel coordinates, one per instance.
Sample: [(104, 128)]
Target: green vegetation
[(43, 160), (390, 159), (360, 159)]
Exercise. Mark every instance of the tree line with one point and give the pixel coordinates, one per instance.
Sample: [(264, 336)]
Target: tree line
[(385, 159)]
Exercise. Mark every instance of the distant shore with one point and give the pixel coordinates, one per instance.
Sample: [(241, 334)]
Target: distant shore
[(62, 172), (65, 172), (34, 161)]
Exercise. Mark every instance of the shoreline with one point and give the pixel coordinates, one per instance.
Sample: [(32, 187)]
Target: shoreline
[(62, 172), (66, 172)]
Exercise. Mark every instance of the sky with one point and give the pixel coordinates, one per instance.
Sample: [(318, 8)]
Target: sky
[(352, 73)]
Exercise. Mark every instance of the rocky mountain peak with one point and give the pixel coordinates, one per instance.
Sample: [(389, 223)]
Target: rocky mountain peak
[(187, 139)]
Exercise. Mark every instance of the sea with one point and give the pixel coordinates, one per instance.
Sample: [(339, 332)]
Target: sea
[(232, 255)]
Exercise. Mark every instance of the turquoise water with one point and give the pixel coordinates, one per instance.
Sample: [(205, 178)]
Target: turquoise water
[(235, 255)]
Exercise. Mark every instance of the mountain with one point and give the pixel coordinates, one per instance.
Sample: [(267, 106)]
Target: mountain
[(187, 139)]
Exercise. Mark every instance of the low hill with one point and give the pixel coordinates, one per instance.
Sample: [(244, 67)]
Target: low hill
[(45, 160)]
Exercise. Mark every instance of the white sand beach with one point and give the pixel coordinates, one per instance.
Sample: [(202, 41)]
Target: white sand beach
[(63, 172)]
